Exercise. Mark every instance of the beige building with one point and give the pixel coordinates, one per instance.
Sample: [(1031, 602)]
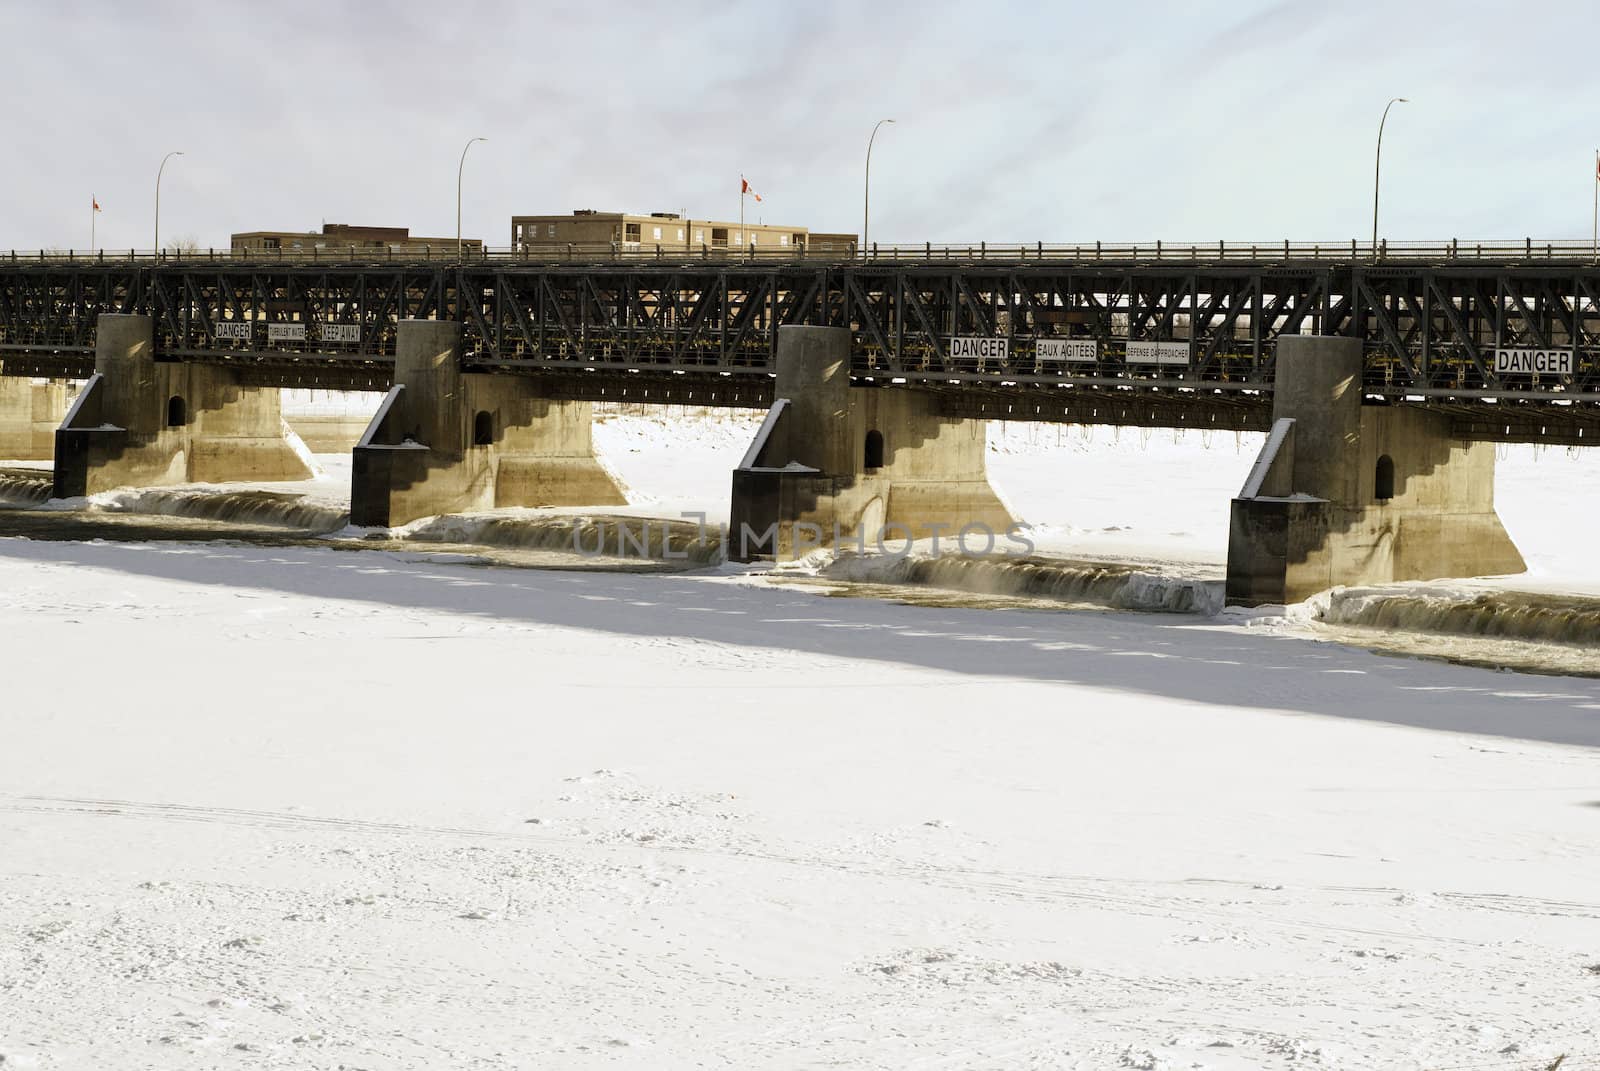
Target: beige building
[(341, 236), (587, 229), (833, 242)]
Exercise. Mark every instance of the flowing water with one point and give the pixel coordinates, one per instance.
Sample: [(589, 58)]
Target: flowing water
[(1532, 632), (522, 538), (275, 509), (1033, 581), (24, 486), (1547, 618), (587, 537)]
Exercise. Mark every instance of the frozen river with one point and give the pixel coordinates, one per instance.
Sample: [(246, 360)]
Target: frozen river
[(280, 803)]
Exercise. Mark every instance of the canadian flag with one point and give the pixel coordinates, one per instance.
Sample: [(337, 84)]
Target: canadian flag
[(94, 201), (744, 188)]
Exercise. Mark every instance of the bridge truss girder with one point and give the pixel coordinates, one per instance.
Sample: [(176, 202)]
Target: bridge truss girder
[(1429, 330)]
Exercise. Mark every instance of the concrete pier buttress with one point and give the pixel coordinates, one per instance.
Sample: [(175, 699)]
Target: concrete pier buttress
[(853, 464), (1345, 493), (142, 423), (29, 415), (448, 441)]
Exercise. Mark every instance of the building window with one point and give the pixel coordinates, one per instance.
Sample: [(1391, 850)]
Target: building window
[(483, 428), (550, 232), (783, 239), (680, 234), (630, 232), (655, 235), (719, 236), (269, 243), (799, 240), (1383, 479), (873, 455), (177, 412), (699, 236)]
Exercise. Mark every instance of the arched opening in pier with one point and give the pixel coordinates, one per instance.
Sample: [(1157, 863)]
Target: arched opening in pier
[(483, 428), (1383, 479), (872, 456), (177, 412)]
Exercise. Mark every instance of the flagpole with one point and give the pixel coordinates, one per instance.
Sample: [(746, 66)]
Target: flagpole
[(741, 217), (1596, 253), (92, 214)]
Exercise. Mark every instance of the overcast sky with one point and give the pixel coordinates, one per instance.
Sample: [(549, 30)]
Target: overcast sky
[(1054, 122)]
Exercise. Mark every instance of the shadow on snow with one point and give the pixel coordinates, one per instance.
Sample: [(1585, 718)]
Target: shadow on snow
[(1179, 658)]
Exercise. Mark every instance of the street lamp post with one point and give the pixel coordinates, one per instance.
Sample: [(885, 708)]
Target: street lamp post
[(1377, 168), (159, 172), (866, 194), (459, 170)]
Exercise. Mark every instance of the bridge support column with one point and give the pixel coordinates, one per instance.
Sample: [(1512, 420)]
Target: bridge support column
[(447, 441), (836, 464), (29, 415), (143, 423), (1344, 493)]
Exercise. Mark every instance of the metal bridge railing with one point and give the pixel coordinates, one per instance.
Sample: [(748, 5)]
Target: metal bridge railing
[(1528, 250)]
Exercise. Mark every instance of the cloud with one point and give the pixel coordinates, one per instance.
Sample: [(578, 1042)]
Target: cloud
[(1016, 122)]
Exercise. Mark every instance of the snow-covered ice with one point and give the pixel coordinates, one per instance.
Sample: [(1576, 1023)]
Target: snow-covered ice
[(305, 807)]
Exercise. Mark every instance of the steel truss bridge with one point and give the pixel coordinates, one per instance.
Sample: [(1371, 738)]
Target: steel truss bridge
[(703, 331)]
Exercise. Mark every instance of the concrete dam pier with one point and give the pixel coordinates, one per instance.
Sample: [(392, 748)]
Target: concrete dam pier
[(448, 441), (139, 422), (834, 462), (1344, 493)]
